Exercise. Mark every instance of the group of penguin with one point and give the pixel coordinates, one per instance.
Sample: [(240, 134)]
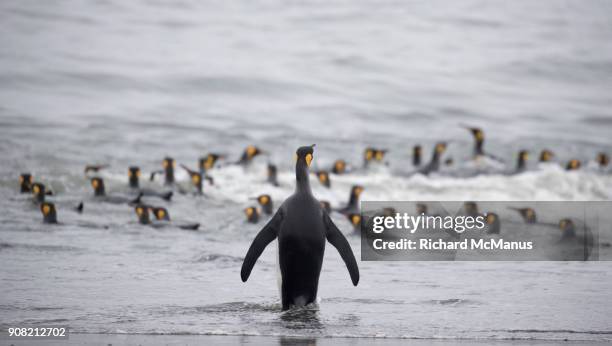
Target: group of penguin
[(161, 216)]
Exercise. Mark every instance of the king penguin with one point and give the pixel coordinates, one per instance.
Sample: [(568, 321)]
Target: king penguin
[(301, 226)]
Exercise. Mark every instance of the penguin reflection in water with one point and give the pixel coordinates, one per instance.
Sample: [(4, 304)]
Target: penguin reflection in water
[(301, 226)]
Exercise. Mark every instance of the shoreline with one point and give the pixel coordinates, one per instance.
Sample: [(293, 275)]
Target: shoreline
[(177, 339)]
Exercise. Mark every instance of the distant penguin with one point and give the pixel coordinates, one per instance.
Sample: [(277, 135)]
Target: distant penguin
[(100, 193), (195, 178), (249, 154), (339, 167), (252, 214), (417, 152), (94, 168), (528, 214), (521, 163), (323, 177), (301, 227), (575, 246), (134, 183), (265, 201), (434, 164), (355, 220), (603, 160), (168, 164), (38, 193), (272, 174), (142, 212), (49, 213), (421, 208), (207, 162), (161, 214), (546, 155), (471, 209), (25, 183), (478, 135), (492, 223), (353, 203), (368, 156), (573, 165)]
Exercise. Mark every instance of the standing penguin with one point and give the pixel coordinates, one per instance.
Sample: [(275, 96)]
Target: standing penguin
[(301, 226)]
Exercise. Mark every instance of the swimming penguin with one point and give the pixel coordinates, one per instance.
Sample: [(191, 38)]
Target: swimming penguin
[(196, 179), (25, 182), (169, 164), (249, 154), (97, 184), (94, 168), (265, 201), (134, 183), (325, 205), (434, 164), (301, 227), (252, 214), (162, 215), (372, 154), (323, 177), (528, 214), (492, 223), (521, 163), (142, 211), (546, 155), (49, 212), (208, 162), (603, 160), (339, 167), (353, 203), (574, 246), (38, 193), (573, 165), (416, 155), (272, 174), (355, 220)]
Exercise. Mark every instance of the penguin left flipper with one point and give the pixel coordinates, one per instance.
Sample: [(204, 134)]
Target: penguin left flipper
[(263, 238), (337, 239)]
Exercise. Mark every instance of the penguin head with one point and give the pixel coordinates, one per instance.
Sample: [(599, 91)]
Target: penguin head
[(25, 182), (421, 208), (355, 220), (603, 159), (567, 227), (492, 223), (523, 156), (38, 192), (49, 212), (529, 215), (196, 180), (161, 214), (304, 155), (252, 214), (169, 164), (98, 186), (356, 191), (266, 203), (368, 154), (379, 154), (440, 148), (251, 151), (339, 167), (573, 165), (142, 211), (208, 162), (546, 155), (134, 176), (477, 133), (323, 177)]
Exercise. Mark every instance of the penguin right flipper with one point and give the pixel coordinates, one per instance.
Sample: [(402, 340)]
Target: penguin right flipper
[(263, 238), (337, 239)]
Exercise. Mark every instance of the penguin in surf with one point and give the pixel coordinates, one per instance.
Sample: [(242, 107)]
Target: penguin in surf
[(301, 226)]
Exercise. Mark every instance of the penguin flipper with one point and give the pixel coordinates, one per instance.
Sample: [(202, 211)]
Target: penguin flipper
[(263, 238), (337, 239)]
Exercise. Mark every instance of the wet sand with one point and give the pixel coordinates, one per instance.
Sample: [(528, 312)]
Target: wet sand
[(149, 339)]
